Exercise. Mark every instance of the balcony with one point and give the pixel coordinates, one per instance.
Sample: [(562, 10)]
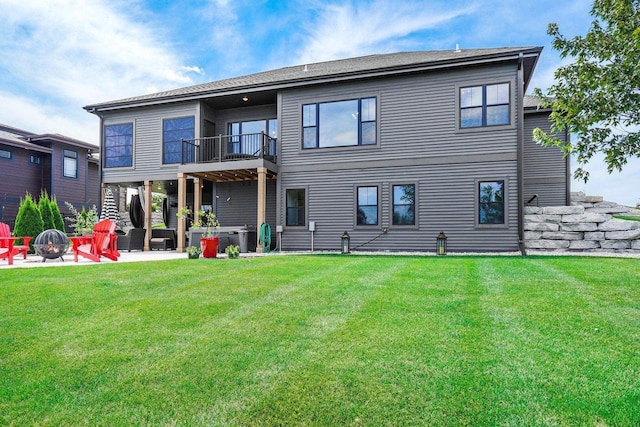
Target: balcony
[(229, 148)]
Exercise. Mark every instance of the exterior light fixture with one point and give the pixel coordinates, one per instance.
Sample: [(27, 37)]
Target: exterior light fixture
[(344, 243), (245, 98), (441, 244)]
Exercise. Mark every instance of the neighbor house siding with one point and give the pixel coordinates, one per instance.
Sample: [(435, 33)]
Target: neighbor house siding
[(419, 143), (546, 172), (79, 190), (20, 177), (147, 141)]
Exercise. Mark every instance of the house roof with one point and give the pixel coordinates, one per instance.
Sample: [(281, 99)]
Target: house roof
[(32, 141), (332, 71), (533, 103)]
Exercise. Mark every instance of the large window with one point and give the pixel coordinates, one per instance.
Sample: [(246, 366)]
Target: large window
[(6, 154), (296, 207), (491, 202), (118, 145), (70, 164), (173, 132), (486, 105), (404, 203), (367, 211), (250, 142), (339, 124)]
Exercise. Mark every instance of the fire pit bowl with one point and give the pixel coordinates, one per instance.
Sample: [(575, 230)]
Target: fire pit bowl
[(51, 244)]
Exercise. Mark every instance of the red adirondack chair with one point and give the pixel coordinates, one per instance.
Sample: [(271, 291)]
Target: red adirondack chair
[(10, 248), (102, 243)]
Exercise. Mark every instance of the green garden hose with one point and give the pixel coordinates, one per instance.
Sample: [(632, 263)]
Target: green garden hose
[(265, 237)]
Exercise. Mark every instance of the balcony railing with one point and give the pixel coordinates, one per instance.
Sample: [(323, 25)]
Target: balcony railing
[(229, 148)]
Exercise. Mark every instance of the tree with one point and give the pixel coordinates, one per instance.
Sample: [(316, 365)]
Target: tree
[(44, 205), (597, 97), (28, 221), (57, 215)]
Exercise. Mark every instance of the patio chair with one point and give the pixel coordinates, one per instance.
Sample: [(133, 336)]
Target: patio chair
[(102, 243), (5, 231), (132, 241)]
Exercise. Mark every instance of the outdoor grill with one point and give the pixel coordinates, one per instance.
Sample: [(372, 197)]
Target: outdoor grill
[(51, 244)]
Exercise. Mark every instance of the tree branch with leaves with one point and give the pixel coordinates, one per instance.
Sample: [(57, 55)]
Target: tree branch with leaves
[(597, 97)]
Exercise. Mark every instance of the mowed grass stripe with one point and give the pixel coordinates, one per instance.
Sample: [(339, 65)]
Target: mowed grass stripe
[(323, 340)]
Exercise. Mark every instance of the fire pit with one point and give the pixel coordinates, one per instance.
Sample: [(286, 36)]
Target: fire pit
[(51, 244)]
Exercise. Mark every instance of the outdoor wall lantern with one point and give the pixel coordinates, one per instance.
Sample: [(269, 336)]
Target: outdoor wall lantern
[(345, 239), (441, 244)]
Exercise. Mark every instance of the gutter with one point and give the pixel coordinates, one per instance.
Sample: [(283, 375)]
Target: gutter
[(520, 161)]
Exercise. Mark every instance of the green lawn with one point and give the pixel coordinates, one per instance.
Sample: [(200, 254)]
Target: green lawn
[(323, 340)]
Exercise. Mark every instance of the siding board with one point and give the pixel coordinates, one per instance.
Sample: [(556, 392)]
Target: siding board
[(545, 170)]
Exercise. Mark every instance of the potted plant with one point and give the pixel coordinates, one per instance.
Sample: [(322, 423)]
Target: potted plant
[(193, 252), (232, 251), (210, 225)]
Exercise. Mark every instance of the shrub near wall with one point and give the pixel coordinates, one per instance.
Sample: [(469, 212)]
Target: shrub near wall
[(587, 226)]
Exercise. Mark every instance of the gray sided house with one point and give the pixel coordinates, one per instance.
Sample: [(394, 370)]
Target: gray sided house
[(31, 162), (391, 148)]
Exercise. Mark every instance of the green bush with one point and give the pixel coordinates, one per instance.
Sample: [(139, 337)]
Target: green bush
[(44, 205), (232, 251), (28, 221), (57, 215)]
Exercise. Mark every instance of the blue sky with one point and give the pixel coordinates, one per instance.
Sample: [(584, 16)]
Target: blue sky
[(57, 56)]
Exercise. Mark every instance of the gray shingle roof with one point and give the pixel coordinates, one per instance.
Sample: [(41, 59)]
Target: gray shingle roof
[(343, 68)]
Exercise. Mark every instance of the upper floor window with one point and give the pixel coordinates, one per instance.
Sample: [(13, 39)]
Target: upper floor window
[(250, 142), (491, 202), (367, 213), (118, 145), (404, 204), (173, 132), (296, 207), (6, 154), (339, 123), (36, 160), (70, 164), (486, 105)]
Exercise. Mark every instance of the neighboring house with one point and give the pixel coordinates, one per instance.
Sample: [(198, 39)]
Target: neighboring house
[(31, 162), (391, 148)]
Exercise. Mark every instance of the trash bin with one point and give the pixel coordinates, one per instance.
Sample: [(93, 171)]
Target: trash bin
[(243, 237)]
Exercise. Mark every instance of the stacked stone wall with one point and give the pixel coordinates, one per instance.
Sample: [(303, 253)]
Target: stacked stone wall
[(587, 225)]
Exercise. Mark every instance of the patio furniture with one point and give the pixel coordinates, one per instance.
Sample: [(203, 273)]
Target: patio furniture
[(163, 238), (5, 231), (102, 243), (6, 248), (132, 241)]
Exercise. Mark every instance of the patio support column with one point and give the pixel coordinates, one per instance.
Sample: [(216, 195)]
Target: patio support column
[(147, 214), (103, 187), (262, 201), (182, 203), (197, 197)]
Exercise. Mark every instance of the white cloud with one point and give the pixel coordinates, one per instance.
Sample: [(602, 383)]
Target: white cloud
[(72, 121), (73, 53), (354, 29)]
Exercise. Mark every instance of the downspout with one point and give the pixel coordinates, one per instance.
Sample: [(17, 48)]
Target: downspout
[(100, 153), (520, 162)]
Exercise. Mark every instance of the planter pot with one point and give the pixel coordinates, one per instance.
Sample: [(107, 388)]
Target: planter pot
[(209, 246)]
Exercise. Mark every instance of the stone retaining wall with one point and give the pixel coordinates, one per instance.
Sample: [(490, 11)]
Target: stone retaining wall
[(587, 225)]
